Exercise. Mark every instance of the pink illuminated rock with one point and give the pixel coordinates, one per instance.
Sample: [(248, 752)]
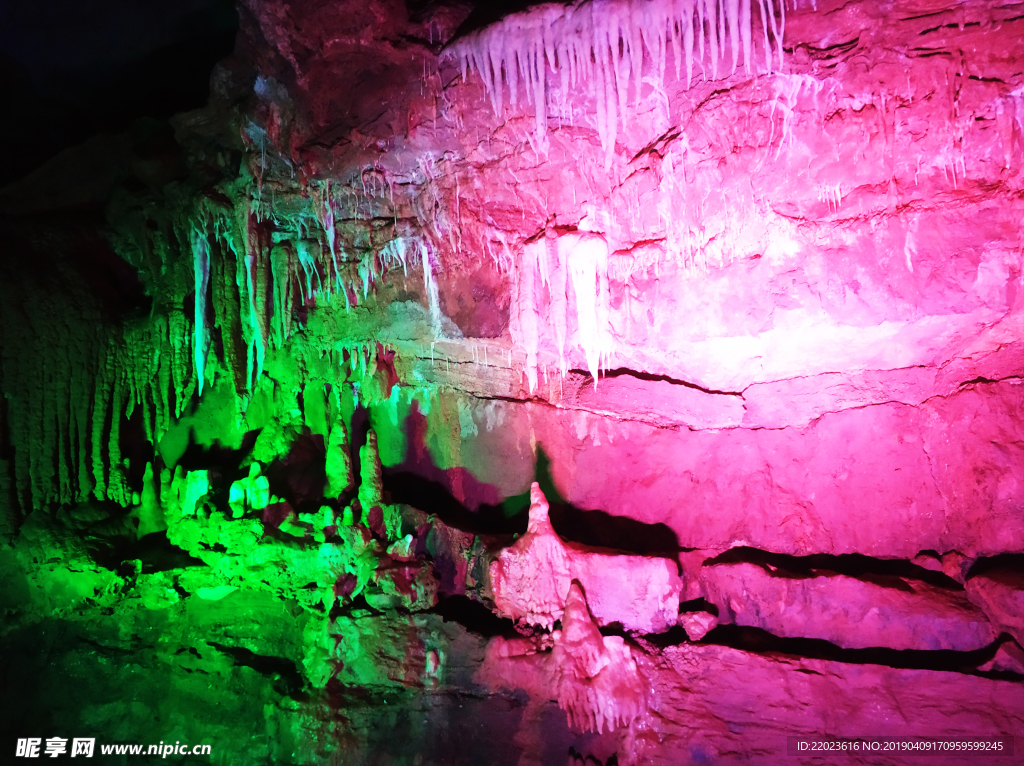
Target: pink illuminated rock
[(1009, 658), (1000, 593), (698, 624), (531, 578), (599, 685), (850, 612), (595, 679), (888, 481), (716, 704), (952, 564)]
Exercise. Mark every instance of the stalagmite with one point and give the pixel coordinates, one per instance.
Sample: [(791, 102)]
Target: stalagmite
[(339, 462), (599, 684), (531, 578), (370, 476)]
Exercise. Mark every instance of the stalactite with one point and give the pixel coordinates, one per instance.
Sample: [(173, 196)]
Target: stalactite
[(100, 415), (588, 270), (430, 286), (547, 268), (281, 276), (82, 380), (260, 276), (201, 263), (227, 318), (164, 393), (307, 251), (528, 291), (184, 383), (559, 301), (243, 247), (323, 207), (611, 36), (117, 485)]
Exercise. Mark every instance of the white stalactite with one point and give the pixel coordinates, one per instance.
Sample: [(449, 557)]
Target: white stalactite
[(588, 270), (554, 46), (542, 300), (201, 263), (430, 286), (531, 283), (306, 251), (325, 213)]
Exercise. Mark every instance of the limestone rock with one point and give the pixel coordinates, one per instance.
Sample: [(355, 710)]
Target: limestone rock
[(698, 624), (853, 613), (1009, 658), (530, 579), (1000, 593)]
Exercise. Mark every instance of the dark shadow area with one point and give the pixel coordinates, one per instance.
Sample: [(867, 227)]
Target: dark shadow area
[(356, 604), (409, 484), (225, 460), (638, 375), (422, 484), (698, 605), (474, 617), (286, 678), (884, 572), (599, 529), (450, 727), (136, 448), (301, 475), (154, 551), (759, 641), (576, 758), (484, 12), (672, 637), (223, 463), (1004, 562), (434, 498), (69, 71), (542, 475), (70, 260), (358, 434)]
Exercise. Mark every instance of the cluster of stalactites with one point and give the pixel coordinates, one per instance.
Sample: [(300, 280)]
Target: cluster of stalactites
[(556, 276), (290, 267), (604, 42), (73, 382), (74, 397)]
